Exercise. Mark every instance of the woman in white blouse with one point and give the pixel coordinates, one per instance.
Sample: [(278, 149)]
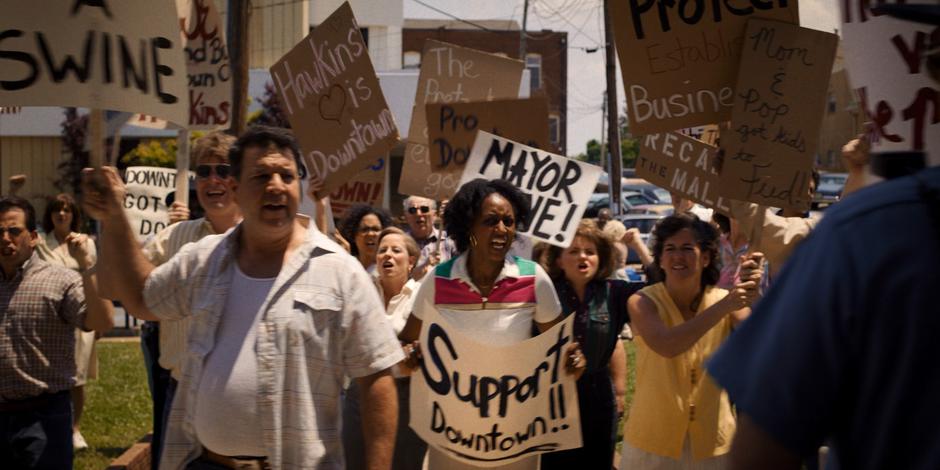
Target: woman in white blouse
[(396, 256)]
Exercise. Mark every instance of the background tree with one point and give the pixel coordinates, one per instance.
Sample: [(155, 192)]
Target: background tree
[(272, 113), (74, 130)]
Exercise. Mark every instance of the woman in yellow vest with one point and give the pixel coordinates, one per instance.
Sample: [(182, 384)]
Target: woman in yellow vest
[(679, 418)]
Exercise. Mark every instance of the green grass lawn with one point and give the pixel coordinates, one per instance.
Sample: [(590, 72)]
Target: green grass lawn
[(631, 385), (117, 412)]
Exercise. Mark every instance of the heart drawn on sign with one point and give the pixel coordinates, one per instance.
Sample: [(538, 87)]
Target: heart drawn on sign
[(332, 104)]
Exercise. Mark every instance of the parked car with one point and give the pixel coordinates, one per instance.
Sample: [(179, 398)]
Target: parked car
[(629, 199), (658, 194), (656, 209), (830, 188), (644, 223)]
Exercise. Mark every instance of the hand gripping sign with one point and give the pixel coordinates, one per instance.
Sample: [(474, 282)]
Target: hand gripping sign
[(489, 413)]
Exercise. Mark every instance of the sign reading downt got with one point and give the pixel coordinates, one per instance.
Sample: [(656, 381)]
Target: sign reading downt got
[(885, 60), (333, 100), (516, 409), (559, 186), (121, 55), (145, 200), (679, 59)]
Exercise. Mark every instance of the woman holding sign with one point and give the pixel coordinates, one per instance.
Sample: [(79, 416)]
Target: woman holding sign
[(484, 292), (679, 417), (582, 277), (360, 230)]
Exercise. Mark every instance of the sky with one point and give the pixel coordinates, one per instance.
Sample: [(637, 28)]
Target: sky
[(583, 21)]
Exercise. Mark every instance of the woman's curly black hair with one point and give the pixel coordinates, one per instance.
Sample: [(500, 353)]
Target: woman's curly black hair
[(465, 206), (350, 224), (706, 237)]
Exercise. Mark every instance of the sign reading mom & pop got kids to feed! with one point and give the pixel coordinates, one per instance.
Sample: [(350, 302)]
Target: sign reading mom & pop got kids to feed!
[(329, 89), (679, 59), (107, 54), (779, 102), (450, 74), (488, 413), (559, 187)]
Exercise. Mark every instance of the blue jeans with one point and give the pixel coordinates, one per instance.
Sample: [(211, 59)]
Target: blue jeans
[(39, 438), (158, 379)]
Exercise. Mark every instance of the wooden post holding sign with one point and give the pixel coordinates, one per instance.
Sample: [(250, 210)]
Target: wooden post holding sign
[(122, 55), (885, 60), (365, 187), (521, 408), (450, 74), (679, 59), (452, 129), (779, 102), (332, 97), (182, 167), (684, 165), (559, 187)]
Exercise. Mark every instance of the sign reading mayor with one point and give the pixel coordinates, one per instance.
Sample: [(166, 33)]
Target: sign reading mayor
[(558, 186), (489, 413), (122, 55)]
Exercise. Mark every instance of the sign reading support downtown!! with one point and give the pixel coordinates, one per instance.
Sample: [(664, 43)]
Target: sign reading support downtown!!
[(489, 413), (450, 74), (123, 55), (679, 59), (684, 165), (779, 103), (331, 95), (885, 58), (559, 186), (145, 200)]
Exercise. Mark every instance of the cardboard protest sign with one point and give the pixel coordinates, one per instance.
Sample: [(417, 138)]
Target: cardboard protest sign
[(366, 187), (679, 59), (209, 75), (122, 55), (885, 60), (559, 186), (331, 95), (450, 74), (517, 409), (779, 102), (452, 127), (145, 201), (684, 165)]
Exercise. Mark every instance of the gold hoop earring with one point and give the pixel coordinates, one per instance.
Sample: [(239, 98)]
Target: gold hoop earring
[(473, 240)]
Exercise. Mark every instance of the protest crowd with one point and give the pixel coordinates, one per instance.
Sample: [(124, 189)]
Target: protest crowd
[(488, 323)]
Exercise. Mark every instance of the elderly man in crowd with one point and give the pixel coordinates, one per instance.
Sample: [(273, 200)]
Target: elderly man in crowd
[(42, 304), (434, 244), (279, 319)]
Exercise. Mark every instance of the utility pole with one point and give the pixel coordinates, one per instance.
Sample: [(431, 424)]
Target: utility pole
[(613, 127), (603, 155), (525, 19), (239, 17)]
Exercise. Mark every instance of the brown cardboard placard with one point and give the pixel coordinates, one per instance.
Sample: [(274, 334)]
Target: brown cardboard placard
[(365, 187), (684, 165), (679, 60), (452, 127), (331, 95), (123, 56), (779, 102), (451, 74)]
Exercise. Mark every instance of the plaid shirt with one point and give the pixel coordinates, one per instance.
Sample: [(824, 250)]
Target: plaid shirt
[(42, 306), (321, 320)]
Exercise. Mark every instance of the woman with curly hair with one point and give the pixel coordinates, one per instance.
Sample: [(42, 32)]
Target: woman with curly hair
[(479, 291), (360, 231), (582, 274), (679, 417)]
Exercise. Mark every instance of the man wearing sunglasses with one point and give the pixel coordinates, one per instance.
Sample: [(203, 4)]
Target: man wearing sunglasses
[(280, 317), (434, 244), (164, 343), (42, 304)]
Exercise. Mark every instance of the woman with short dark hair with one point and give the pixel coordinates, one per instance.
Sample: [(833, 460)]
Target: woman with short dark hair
[(360, 228), (679, 418), (476, 286)]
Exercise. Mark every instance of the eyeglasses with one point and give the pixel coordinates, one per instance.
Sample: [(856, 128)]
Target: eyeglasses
[(222, 170), (14, 231), (494, 220), (423, 209)]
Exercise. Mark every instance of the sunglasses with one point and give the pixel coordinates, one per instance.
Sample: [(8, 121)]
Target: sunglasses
[(222, 170), (494, 220), (423, 209), (13, 231)]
